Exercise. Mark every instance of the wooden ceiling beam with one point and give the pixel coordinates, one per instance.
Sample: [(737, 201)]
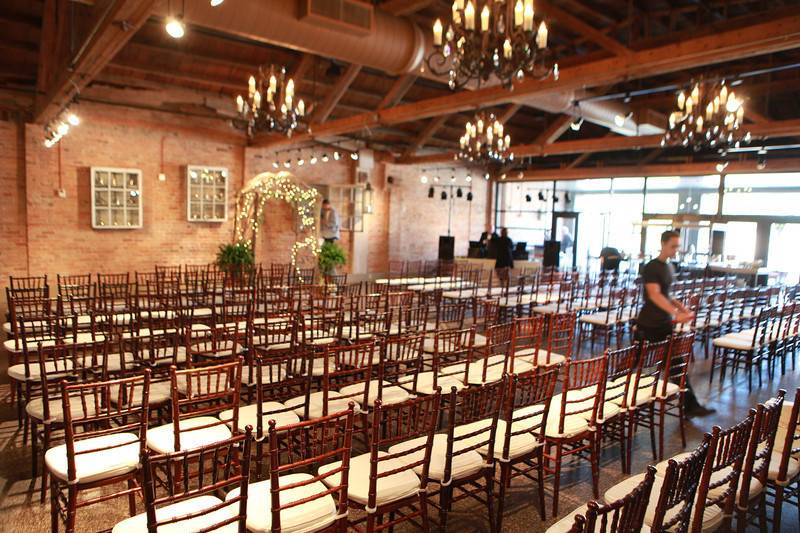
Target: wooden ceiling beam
[(426, 134), (775, 35), (664, 169), (324, 109), (509, 112), (113, 25), (779, 128), (302, 66), (553, 131), (580, 27), (398, 91)]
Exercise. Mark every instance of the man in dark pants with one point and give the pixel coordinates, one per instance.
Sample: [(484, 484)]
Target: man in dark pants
[(659, 311)]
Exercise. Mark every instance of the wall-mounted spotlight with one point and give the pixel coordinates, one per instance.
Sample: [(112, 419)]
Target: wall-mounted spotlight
[(423, 179), (324, 158), (576, 125)]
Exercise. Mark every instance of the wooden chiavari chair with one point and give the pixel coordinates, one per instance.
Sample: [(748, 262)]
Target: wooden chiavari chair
[(383, 482), (198, 396), (192, 502), (612, 419), (752, 495), (623, 515), (449, 362), (104, 441), (784, 468), (488, 363), (462, 460), (520, 442), (643, 389), (294, 498), (572, 425), (671, 388), (716, 494), (673, 495)]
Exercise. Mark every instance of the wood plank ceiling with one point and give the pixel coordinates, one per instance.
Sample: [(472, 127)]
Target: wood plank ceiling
[(350, 100)]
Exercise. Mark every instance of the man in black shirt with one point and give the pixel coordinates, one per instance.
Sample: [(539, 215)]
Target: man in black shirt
[(659, 311), (610, 258)]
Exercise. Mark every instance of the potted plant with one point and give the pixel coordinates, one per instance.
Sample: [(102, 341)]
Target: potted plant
[(235, 258), (331, 256)]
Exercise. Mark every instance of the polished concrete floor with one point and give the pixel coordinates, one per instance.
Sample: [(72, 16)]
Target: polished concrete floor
[(20, 509)]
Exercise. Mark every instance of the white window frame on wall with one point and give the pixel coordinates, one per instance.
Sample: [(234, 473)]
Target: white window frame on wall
[(94, 190), (200, 168)]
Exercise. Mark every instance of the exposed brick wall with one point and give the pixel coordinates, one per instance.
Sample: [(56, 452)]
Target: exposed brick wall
[(58, 237), (416, 221)]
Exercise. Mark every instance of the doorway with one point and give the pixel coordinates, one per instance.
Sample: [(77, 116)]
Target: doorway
[(565, 230)]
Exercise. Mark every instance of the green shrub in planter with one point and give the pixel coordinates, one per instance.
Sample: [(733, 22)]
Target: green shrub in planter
[(331, 256), (235, 257)]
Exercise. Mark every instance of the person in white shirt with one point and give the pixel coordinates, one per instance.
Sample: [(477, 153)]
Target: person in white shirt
[(329, 222)]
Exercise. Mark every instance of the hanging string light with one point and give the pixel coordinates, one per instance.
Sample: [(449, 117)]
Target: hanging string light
[(710, 115), (271, 104), (490, 37), (278, 186), (484, 141)]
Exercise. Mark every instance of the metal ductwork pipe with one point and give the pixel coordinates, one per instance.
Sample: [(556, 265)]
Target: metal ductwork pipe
[(395, 45)]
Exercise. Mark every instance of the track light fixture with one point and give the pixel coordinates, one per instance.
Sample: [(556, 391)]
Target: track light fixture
[(444, 195), (542, 197), (761, 160), (459, 193), (528, 198), (430, 192), (469, 196)]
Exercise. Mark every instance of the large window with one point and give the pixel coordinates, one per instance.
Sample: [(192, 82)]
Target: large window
[(757, 214)]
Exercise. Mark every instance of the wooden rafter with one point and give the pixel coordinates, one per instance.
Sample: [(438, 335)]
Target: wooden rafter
[(778, 128), (325, 109), (426, 134), (509, 112), (552, 132), (397, 91), (759, 38), (113, 24), (580, 27)]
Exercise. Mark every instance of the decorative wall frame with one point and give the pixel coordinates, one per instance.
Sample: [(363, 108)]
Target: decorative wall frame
[(206, 194), (116, 198)]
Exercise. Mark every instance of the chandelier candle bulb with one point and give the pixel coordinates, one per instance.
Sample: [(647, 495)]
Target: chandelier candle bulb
[(696, 93), (681, 100), (519, 11), (723, 94), (239, 103), (301, 107), (289, 89), (507, 50), (437, 33), (541, 36), (485, 18), (469, 16), (251, 85), (527, 22)]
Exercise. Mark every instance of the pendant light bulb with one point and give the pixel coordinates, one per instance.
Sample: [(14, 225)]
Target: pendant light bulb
[(175, 27)]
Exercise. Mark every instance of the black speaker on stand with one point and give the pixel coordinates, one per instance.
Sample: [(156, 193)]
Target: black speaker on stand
[(552, 250), (447, 247)]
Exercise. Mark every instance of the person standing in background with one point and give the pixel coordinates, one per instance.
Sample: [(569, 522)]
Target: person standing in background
[(329, 222), (505, 256), (660, 312)]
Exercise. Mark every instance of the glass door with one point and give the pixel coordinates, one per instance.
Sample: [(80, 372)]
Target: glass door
[(784, 255), (565, 230)]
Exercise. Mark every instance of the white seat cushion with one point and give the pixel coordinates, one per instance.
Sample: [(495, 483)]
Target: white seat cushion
[(162, 440), (248, 416), (495, 367), (463, 465), (160, 392), (52, 369), (389, 395), (521, 443), (138, 523), (35, 409), (734, 343), (480, 340), (600, 319), (309, 516), (315, 406), (388, 489), (537, 358), (425, 382), (93, 466), (775, 463)]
